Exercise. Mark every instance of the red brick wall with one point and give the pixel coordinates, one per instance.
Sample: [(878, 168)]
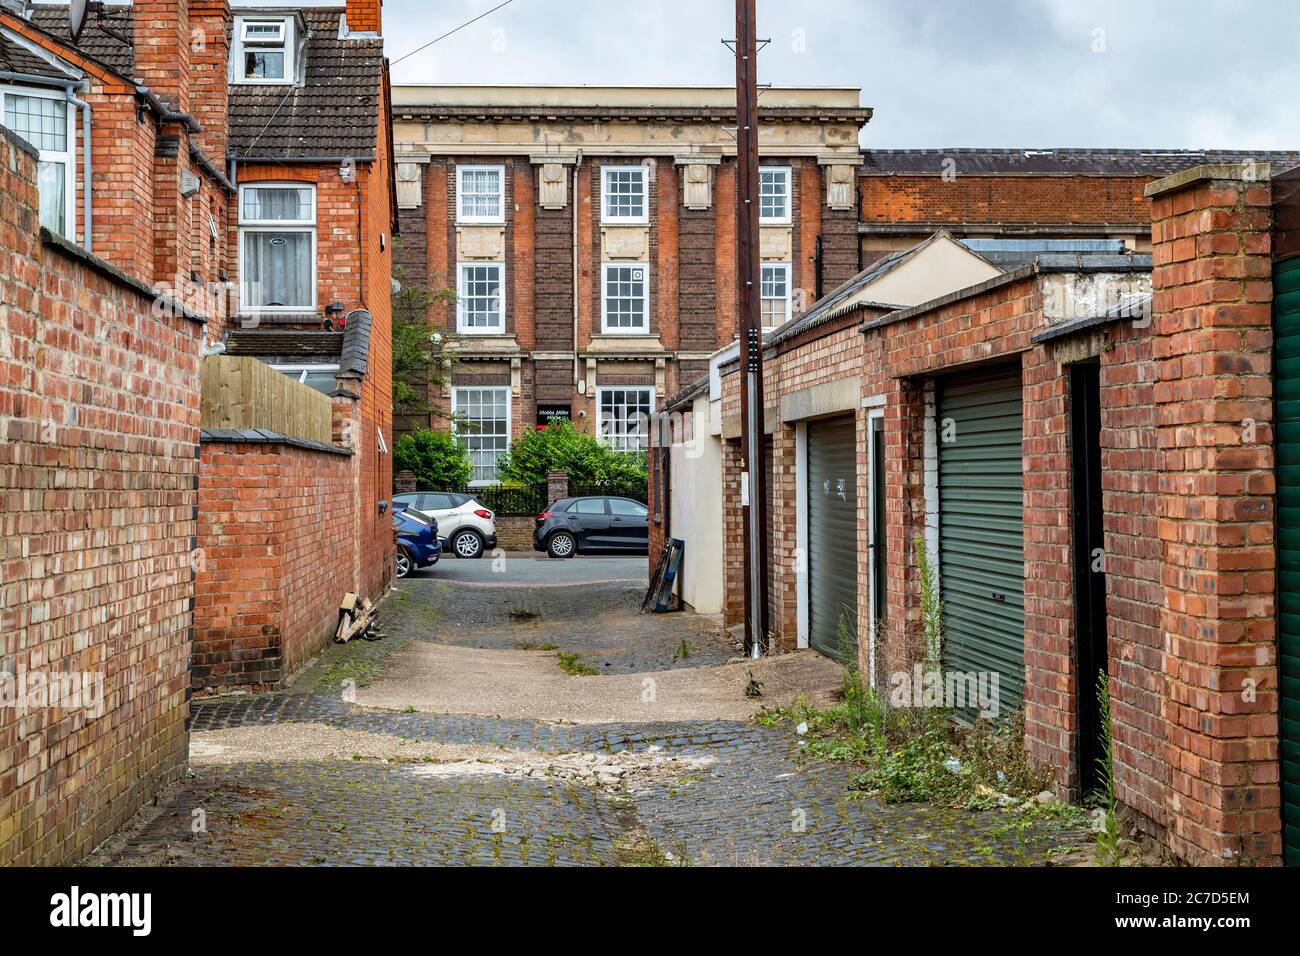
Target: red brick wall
[(100, 400), (364, 16), (1134, 596), (378, 543), (971, 200), (1213, 401), (276, 529)]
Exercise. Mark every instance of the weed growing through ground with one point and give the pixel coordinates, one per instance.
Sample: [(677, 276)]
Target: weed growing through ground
[(534, 646), (919, 753), (573, 665), (683, 652), (1109, 849)]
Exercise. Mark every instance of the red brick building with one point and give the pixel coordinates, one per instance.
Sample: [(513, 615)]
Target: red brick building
[(906, 194), (268, 172), (154, 215), (590, 235)]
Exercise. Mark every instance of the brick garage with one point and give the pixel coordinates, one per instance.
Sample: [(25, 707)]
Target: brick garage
[(1187, 511), (1186, 500), (276, 528), (99, 409)]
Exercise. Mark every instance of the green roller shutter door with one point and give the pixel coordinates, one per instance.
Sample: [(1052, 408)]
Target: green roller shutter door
[(832, 535), (981, 528), (1286, 304)]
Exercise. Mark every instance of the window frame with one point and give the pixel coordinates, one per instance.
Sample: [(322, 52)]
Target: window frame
[(240, 44), (302, 370), (640, 510), (455, 408), (246, 226), (601, 391), (461, 327), (461, 216), (789, 292), (606, 217), (788, 175), (67, 157), (604, 298)]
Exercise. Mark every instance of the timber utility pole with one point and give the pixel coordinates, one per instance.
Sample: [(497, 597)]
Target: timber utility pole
[(750, 327)]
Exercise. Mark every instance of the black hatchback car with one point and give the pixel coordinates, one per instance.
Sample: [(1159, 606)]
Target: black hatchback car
[(573, 525)]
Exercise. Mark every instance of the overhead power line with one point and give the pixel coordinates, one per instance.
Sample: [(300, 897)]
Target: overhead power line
[(450, 32)]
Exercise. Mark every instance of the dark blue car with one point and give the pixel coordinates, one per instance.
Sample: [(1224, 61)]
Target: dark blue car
[(417, 540)]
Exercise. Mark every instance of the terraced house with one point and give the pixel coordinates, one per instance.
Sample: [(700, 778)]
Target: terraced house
[(196, 376), (590, 236)]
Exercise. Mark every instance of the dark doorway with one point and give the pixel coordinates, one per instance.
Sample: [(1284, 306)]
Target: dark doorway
[(879, 551), (1089, 562)]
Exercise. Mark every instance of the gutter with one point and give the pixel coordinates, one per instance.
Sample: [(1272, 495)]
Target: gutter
[(164, 112), (293, 158)]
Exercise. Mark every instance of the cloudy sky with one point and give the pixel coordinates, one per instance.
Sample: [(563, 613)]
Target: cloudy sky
[(1153, 73)]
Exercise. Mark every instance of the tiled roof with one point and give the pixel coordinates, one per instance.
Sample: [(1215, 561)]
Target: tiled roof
[(334, 115), (16, 58), (285, 343), (1060, 162)]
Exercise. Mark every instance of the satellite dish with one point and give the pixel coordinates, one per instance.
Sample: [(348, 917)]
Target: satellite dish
[(77, 18)]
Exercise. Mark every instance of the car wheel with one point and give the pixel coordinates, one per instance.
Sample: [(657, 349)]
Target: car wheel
[(405, 563), (467, 544), (561, 545)]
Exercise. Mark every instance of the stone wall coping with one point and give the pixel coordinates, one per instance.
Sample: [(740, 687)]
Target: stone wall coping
[(261, 436), (110, 271), (1209, 172)]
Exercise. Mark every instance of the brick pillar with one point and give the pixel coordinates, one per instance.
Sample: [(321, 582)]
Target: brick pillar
[(1212, 345), (405, 482), (209, 56), (364, 16), (557, 486)]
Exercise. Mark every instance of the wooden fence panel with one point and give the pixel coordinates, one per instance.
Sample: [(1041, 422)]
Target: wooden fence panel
[(243, 392)]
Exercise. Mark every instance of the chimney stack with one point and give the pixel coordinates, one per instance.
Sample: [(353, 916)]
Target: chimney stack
[(364, 16), (161, 40), (210, 59)]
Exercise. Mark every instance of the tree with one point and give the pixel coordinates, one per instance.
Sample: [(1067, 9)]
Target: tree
[(421, 358), (436, 459), (561, 447)]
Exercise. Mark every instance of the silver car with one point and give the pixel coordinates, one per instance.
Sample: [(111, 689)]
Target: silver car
[(465, 527)]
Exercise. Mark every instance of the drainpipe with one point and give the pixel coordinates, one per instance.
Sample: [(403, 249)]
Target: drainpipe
[(31, 79), (87, 207), (573, 201)]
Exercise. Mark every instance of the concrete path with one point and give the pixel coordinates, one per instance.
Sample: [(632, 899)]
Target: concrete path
[(460, 739)]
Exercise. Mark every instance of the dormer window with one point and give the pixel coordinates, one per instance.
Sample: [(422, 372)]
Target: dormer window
[(264, 50)]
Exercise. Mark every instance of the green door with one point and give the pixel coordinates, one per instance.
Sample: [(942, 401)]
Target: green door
[(833, 537), (981, 519), (1286, 304)]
